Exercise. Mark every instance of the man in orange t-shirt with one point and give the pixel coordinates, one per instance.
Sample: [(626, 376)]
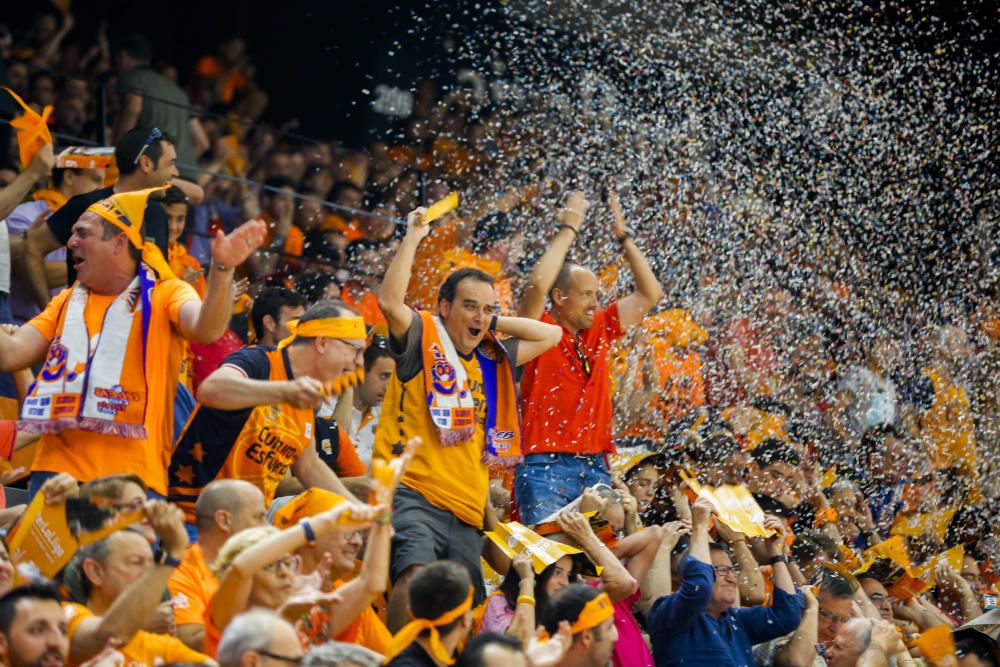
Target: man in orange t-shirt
[(120, 419), (224, 508), (566, 392)]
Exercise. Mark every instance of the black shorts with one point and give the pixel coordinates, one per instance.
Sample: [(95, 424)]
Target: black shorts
[(425, 533)]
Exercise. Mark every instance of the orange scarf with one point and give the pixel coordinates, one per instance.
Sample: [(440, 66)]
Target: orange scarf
[(50, 196), (449, 397)]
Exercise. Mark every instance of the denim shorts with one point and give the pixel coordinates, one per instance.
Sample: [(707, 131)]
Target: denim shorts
[(548, 482)]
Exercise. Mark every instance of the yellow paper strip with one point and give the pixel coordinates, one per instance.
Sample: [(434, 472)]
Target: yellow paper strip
[(440, 208)]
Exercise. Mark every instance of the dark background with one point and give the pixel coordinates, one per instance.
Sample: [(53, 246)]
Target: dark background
[(316, 57)]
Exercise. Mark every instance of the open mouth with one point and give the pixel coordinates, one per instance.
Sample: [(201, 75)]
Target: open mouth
[(474, 331)]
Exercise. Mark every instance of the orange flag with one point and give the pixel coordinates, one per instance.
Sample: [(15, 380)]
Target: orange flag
[(32, 130)]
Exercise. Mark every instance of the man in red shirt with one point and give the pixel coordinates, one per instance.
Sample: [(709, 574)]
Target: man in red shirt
[(566, 392)]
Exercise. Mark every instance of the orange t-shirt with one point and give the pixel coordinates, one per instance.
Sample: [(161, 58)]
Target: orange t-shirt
[(367, 307), (181, 262), (422, 291), (86, 455), (563, 408), (146, 648), (192, 585)]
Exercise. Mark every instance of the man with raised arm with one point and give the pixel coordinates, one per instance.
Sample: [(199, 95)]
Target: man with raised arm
[(113, 344), (566, 392), (454, 388)]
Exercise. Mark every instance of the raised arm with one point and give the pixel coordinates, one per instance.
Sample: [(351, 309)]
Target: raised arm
[(137, 603), (205, 321), (543, 275), (632, 308), (233, 594), (751, 582), (617, 582), (227, 388), (801, 649), (534, 337), (38, 170), (658, 580), (392, 294)]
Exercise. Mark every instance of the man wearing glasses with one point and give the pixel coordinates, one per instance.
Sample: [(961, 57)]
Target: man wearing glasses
[(255, 417), (698, 626), (146, 158)]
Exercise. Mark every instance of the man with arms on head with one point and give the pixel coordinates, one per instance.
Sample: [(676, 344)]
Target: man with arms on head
[(273, 308), (259, 638), (255, 421), (32, 627), (66, 184), (224, 508), (146, 159), (698, 625), (454, 388), (103, 403), (123, 579), (566, 392)]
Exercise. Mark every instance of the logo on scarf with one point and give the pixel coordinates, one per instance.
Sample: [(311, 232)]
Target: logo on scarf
[(55, 363), (442, 373), (502, 440)]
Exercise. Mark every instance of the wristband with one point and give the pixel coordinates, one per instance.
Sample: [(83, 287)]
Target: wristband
[(220, 267), (526, 599), (572, 229), (778, 559), (493, 324), (383, 518), (308, 530), (161, 557)]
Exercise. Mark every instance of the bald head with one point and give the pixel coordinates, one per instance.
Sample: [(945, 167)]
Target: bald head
[(574, 297), (230, 505)]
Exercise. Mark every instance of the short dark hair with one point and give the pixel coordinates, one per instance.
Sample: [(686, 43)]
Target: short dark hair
[(32, 591), (59, 173), (343, 186), (278, 183), (450, 286), (490, 230), (129, 145), (772, 451), (475, 649), (174, 195), (136, 46), (566, 605), (835, 585), (437, 589), (378, 348), (873, 442), (270, 301)]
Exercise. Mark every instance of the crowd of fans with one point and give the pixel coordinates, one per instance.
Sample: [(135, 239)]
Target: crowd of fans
[(351, 434)]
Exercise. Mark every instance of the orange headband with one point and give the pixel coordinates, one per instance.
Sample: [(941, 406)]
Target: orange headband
[(329, 327), (412, 630), (594, 613)]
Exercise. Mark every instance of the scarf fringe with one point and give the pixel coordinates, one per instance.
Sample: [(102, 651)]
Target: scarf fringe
[(502, 461), (450, 437), (94, 425)]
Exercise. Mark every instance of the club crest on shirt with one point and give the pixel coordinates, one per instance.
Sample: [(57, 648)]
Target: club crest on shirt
[(442, 372), (502, 440)]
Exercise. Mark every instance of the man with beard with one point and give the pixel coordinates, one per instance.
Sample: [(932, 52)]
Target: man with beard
[(32, 628)]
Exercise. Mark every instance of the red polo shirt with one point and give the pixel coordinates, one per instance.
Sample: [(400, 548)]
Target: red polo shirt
[(562, 408)]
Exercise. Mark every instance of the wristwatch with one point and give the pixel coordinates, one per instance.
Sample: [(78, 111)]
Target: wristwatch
[(161, 557), (778, 559), (629, 233)]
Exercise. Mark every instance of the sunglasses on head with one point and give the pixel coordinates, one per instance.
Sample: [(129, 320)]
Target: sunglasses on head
[(154, 134)]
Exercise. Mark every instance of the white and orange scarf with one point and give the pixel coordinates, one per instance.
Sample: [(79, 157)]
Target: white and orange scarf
[(95, 382)]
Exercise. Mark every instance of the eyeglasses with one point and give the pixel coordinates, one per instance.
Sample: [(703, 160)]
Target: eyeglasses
[(878, 598), (833, 618), (290, 563), (358, 349), (154, 134), (724, 570), (295, 660)]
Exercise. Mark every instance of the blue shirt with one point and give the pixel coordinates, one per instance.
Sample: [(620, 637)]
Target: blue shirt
[(683, 634)]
